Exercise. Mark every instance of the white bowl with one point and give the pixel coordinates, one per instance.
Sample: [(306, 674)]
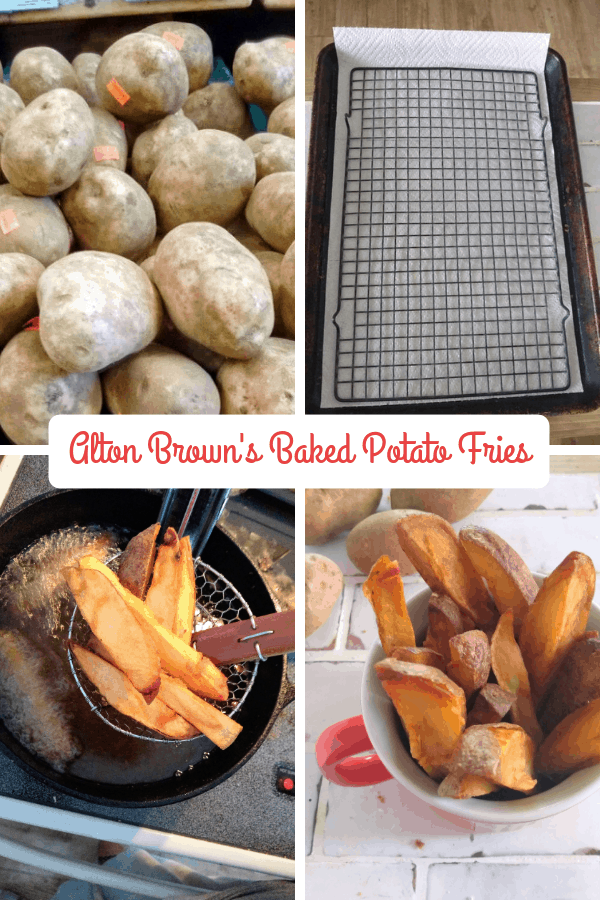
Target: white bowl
[(384, 730)]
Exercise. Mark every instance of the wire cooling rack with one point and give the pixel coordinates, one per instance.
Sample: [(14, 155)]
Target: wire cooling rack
[(449, 279)]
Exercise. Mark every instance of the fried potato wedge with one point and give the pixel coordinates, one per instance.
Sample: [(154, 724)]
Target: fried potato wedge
[(421, 655), (576, 682), (163, 593), (433, 548), (470, 661), (121, 694), (186, 601), (557, 617), (444, 621), (385, 592), (461, 786), (218, 727), (176, 657), (574, 744), (432, 709), (509, 581), (114, 624), (511, 674), (501, 753), (491, 704), (137, 561)]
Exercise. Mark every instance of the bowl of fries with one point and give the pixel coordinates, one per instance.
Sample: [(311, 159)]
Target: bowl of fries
[(455, 694)]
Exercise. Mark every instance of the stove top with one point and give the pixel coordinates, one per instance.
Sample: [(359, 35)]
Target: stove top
[(254, 808)]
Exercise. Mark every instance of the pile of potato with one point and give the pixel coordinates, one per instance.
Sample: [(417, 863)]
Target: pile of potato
[(150, 230)]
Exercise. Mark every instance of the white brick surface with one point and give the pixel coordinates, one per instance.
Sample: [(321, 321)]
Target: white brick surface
[(346, 881), (534, 881)]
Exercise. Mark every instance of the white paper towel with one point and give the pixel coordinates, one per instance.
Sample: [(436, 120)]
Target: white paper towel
[(401, 355)]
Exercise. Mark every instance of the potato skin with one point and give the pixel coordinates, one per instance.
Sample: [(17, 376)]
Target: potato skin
[(10, 105), (270, 210), (328, 512), (197, 51), (451, 504), (264, 385), (19, 275), (287, 301), (206, 177), (220, 107), (108, 133), (95, 309), (47, 145), (160, 381), (86, 66), (33, 389), (323, 584), (109, 211), (376, 536), (36, 70), (154, 142), (43, 231), (150, 70), (272, 153), (264, 72), (283, 119), (215, 290)]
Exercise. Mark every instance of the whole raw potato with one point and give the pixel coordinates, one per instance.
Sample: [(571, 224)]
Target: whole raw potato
[(261, 386), (247, 236), (150, 75), (329, 512), (196, 49), (47, 145), (86, 66), (155, 141), (264, 72), (33, 389), (323, 584), (10, 105), (288, 292), (160, 381), (270, 260), (215, 290), (36, 70), (109, 141), (283, 119), (95, 309), (376, 536), (272, 153), (109, 211), (451, 504), (219, 106), (19, 275), (42, 230), (206, 177), (270, 210)]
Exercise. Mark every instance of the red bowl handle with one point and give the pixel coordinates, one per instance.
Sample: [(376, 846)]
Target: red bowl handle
[(336, 749)]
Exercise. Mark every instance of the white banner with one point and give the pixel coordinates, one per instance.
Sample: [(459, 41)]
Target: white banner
[(333, 451)]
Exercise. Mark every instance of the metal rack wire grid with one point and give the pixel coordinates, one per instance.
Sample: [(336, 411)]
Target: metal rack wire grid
[(449, 278)]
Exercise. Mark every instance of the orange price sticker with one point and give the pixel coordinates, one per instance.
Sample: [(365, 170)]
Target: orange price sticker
[(121, 123), (291, 46), (102, 153), (8, 221), (32, 325), (174, 39), (120, 94)]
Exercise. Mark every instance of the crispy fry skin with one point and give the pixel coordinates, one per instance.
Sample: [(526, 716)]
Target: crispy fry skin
[(186, 602), (432, 709), (574, 744), (221, 730), (137, 560), (501, 753), (470, 661), (557, 618), (511, 674), (491, 705), (385, 591), (576, 682), (422, 655), (121, 694), (113, 623), (461, 786), (444, 621), (163, 593), (435, 551), (177, 658), (509, 581)]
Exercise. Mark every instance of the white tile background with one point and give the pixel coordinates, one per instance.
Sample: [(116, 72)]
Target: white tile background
[(381, 842)]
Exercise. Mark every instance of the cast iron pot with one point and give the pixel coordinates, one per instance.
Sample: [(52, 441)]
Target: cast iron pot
[(135, 510)]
